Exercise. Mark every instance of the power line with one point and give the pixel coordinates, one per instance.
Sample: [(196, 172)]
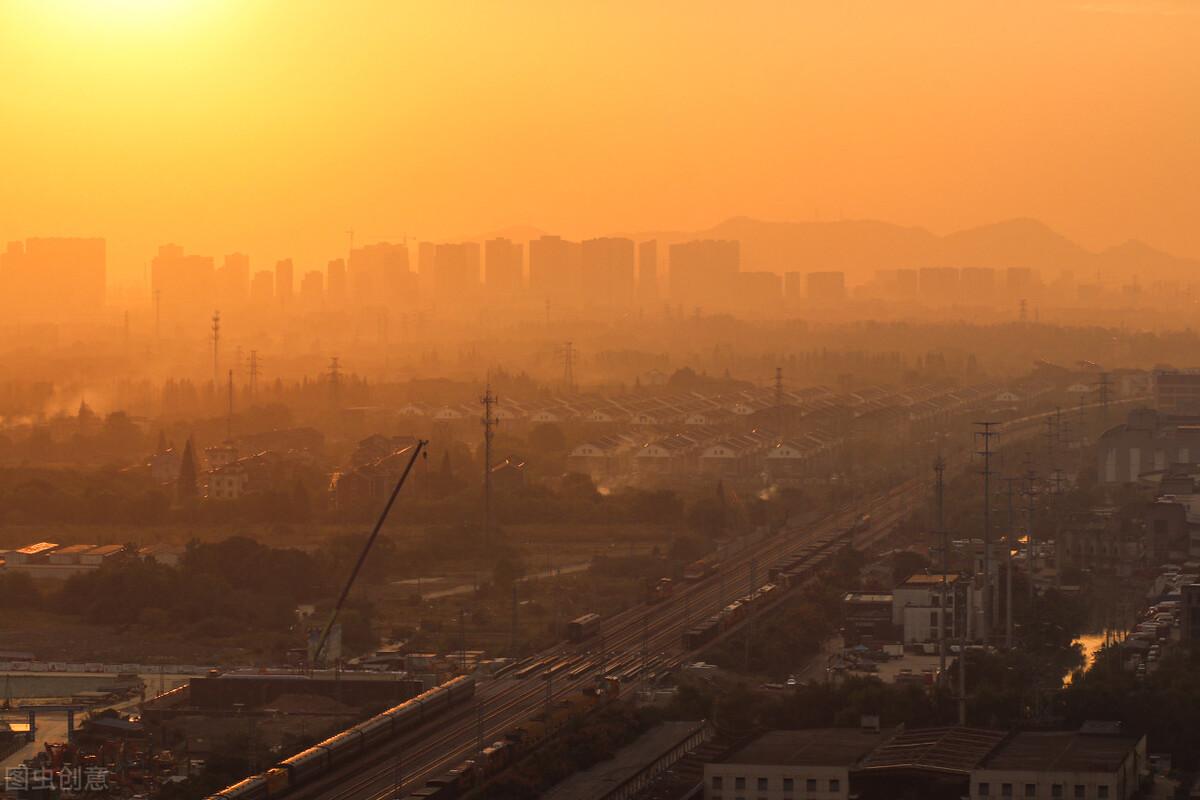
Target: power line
[(489, 423), (986, 435), (216, 339), (569, 355)]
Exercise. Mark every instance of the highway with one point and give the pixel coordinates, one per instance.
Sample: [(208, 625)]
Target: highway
[(644, 639)]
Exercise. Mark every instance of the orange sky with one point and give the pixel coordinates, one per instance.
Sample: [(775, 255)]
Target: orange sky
[(274, 127)]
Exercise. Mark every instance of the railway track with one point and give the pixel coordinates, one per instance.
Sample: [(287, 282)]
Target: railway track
[(632, 639)]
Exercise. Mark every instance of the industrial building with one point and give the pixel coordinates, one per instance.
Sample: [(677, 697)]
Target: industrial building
[(1096, 762)]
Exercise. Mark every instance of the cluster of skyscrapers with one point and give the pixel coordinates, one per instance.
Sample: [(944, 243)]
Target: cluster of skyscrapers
[(607, 275)]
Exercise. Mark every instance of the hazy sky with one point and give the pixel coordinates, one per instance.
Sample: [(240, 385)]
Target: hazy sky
[(275, 127)]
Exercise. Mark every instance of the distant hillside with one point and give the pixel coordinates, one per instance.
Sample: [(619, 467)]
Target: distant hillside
[(859, 247)]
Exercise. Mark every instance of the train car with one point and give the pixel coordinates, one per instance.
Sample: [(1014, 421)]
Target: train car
[(252, 788), (583, 627), (702, 633), (701, 569), (344, 746), (277, 781), (658, 592), (306, 765), (732, 614)]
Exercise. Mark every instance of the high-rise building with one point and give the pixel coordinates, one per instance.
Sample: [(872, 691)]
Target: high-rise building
[(554, 265), (826, 287), (262, 290), (647, 282), (704, 272), (285, 282), (1020, 280), (335, 283), (380, 274), (456, 268), (181, 282), (977, 284), (607, 272), (426, 257), (46, 278), (758, 291), (502, 262), (939, 283), (233, 280), (794, 287), (312, 290)]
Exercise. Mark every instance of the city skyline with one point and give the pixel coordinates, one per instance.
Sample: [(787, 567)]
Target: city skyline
[(206, 122)]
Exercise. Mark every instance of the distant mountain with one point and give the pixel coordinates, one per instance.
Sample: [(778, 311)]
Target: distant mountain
[(859, 247)]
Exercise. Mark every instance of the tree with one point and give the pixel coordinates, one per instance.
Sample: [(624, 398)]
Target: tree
[(185, 487), (548, 438)]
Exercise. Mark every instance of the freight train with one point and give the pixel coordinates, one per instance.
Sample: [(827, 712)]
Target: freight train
[(699, 570), (321, 758), (583, 627), (729, 616), (794, 569), (515, 744)]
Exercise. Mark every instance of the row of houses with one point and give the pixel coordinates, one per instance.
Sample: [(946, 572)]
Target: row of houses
[(779, 441), (691, 408)]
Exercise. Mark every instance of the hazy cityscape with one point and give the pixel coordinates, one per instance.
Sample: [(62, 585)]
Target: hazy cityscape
[(772, 401)]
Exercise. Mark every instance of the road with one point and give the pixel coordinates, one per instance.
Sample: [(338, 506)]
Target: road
[(642, 639)]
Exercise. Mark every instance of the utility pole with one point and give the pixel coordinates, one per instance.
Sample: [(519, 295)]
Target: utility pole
[(398, 773), (216, 340), (335, 380), (939, 470), (479, 727), (750, 622), (229, 419), (645, 647), (253, 372), (1030, 491), (462, 640), (568, 355), (512, 641), (986, 435), (1008, 595), (1103, 386), (783, 416), (1057, 491), (489, 423)]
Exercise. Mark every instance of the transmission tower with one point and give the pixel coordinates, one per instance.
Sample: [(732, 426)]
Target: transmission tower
[(1008, 596), (229, 418), (943, 546), (1103, 385), (216, 341), (568, 357), (253, 372), (1056, 489), (783, 417), (489, 424), (335, 380), (1030, 492), (985, 437)]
